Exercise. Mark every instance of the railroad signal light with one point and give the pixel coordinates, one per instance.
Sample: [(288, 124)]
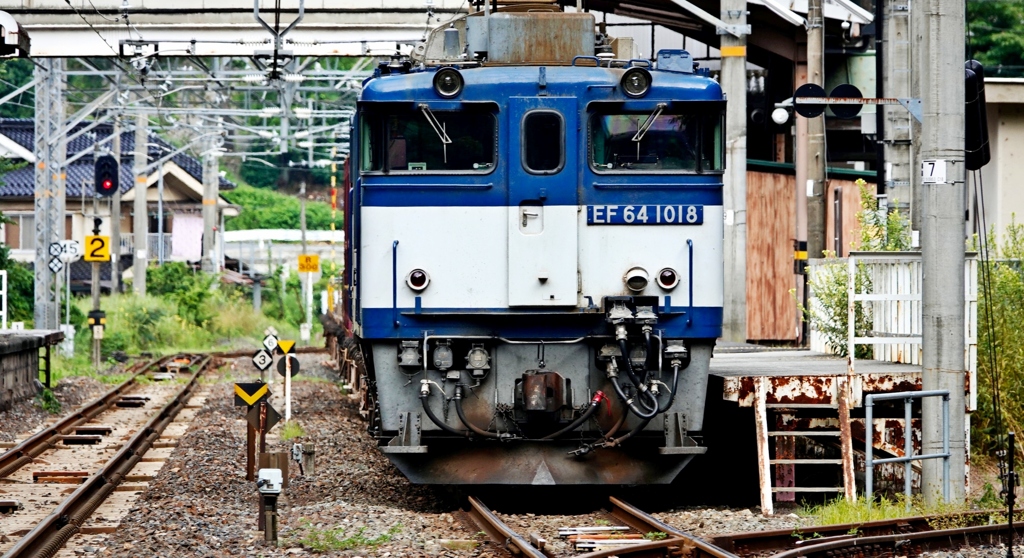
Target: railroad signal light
[(106, 174)]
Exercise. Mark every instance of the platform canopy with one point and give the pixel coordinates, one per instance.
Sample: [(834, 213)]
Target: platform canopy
[(102, 28)]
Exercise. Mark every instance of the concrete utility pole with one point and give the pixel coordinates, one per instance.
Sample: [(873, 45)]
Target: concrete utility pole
[(815, 157), (734, 84), (49, 190), (211, 187), (140, 221), (940, 47), (115, 212), (896, 120)]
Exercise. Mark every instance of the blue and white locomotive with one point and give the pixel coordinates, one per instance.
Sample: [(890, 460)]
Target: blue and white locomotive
[(534, 269)]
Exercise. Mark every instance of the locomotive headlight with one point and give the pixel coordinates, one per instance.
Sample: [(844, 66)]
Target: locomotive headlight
[(636, 279), (636, 82), (448, 83), (668, 278), (478, 359), (417, 280)]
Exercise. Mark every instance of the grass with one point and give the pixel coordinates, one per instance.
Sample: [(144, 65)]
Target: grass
[(48, 402), (326, 540), (840, 511), (291, 430)]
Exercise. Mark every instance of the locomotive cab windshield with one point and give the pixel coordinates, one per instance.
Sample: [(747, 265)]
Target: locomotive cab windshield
[(674, 139), (402, 138)]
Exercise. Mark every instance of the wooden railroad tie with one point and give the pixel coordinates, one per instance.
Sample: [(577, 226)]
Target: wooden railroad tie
[(80, 440), (9, 506), (100, 429), (60, 477)]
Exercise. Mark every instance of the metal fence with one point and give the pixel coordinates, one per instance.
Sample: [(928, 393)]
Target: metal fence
[(889, 299), (908, 450)]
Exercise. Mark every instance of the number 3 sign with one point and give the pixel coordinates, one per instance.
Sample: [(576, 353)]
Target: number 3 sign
[(97, 248)]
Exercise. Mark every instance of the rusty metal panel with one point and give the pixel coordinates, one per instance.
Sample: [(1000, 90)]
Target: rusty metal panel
[(544, 391), (816, 390), (789, 390), (539, 37)]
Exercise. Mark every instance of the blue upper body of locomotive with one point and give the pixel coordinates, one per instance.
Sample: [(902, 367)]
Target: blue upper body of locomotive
[(506, 93)]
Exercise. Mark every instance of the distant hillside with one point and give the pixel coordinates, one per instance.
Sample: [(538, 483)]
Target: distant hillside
[(267, 209)]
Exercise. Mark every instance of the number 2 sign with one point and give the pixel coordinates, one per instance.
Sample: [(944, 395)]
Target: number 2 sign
[(97, 249)]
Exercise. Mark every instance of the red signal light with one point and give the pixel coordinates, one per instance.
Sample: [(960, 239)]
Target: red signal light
[(107, 184)]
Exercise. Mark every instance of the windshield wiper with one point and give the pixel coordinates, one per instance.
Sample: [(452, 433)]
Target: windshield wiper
[(438, 129), (642, 130)]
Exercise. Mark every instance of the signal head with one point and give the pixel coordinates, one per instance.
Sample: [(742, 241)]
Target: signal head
[(106, 176)]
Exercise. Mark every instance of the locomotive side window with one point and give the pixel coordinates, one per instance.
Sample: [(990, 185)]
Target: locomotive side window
[(402, 139), (659, 141), (543, 140)]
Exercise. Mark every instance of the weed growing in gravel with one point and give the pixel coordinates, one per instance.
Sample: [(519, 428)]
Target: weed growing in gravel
[(292, 429), (323, 540), (656, 536), (48, 402), (841, 511)]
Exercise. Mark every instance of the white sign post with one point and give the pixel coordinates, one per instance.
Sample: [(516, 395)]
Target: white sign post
[(71, 251)]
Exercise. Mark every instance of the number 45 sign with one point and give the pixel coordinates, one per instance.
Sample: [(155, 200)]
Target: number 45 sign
[(97, 249)]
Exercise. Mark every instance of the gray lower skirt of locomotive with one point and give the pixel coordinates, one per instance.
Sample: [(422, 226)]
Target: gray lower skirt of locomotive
[(413, 445)]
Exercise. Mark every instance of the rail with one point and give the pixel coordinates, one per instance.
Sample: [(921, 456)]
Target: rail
[(50, 535), (499, 532), (762, 542)]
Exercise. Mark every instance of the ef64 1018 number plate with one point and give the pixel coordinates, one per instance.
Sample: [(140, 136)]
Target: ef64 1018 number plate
[(645, 214)]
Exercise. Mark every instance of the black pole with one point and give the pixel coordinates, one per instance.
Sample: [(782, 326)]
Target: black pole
[(1011, 494), (879, 110)]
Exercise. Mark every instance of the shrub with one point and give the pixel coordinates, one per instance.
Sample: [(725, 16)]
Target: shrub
[(1000, 344)]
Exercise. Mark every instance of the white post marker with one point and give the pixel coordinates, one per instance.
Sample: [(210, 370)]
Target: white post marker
[(286, 349), (308, 264)]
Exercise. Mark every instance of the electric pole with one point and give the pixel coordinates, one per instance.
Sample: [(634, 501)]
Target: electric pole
[(940, 47), (211, 183), (734, 83), (815, 156), (140, 221), (115, 213)]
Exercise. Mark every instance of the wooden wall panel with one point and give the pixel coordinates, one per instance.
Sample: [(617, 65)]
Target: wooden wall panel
[(771, 229), (850, 232)]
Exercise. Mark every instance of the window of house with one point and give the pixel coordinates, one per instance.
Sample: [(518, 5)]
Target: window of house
[(21, 234)]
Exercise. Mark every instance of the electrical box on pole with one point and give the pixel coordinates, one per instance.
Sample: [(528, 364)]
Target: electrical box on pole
[(106, 176)]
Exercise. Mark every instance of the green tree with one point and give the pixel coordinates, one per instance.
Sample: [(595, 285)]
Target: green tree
[(20, 287), (995, 36), (267, 209)]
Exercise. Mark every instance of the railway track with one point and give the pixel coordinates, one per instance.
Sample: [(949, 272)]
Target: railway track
[(137, 412), (910, 537), (674, 543), (905, 536)]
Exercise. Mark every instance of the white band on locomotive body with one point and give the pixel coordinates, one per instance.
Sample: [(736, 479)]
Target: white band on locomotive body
[(465, 251)]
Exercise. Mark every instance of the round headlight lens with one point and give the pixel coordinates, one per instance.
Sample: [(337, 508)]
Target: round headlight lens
[(448, 83), (636, 279), (636, 82), (417, 279), (668, 278)]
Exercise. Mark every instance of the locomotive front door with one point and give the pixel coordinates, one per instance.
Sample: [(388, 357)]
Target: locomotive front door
[(542, 213)]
